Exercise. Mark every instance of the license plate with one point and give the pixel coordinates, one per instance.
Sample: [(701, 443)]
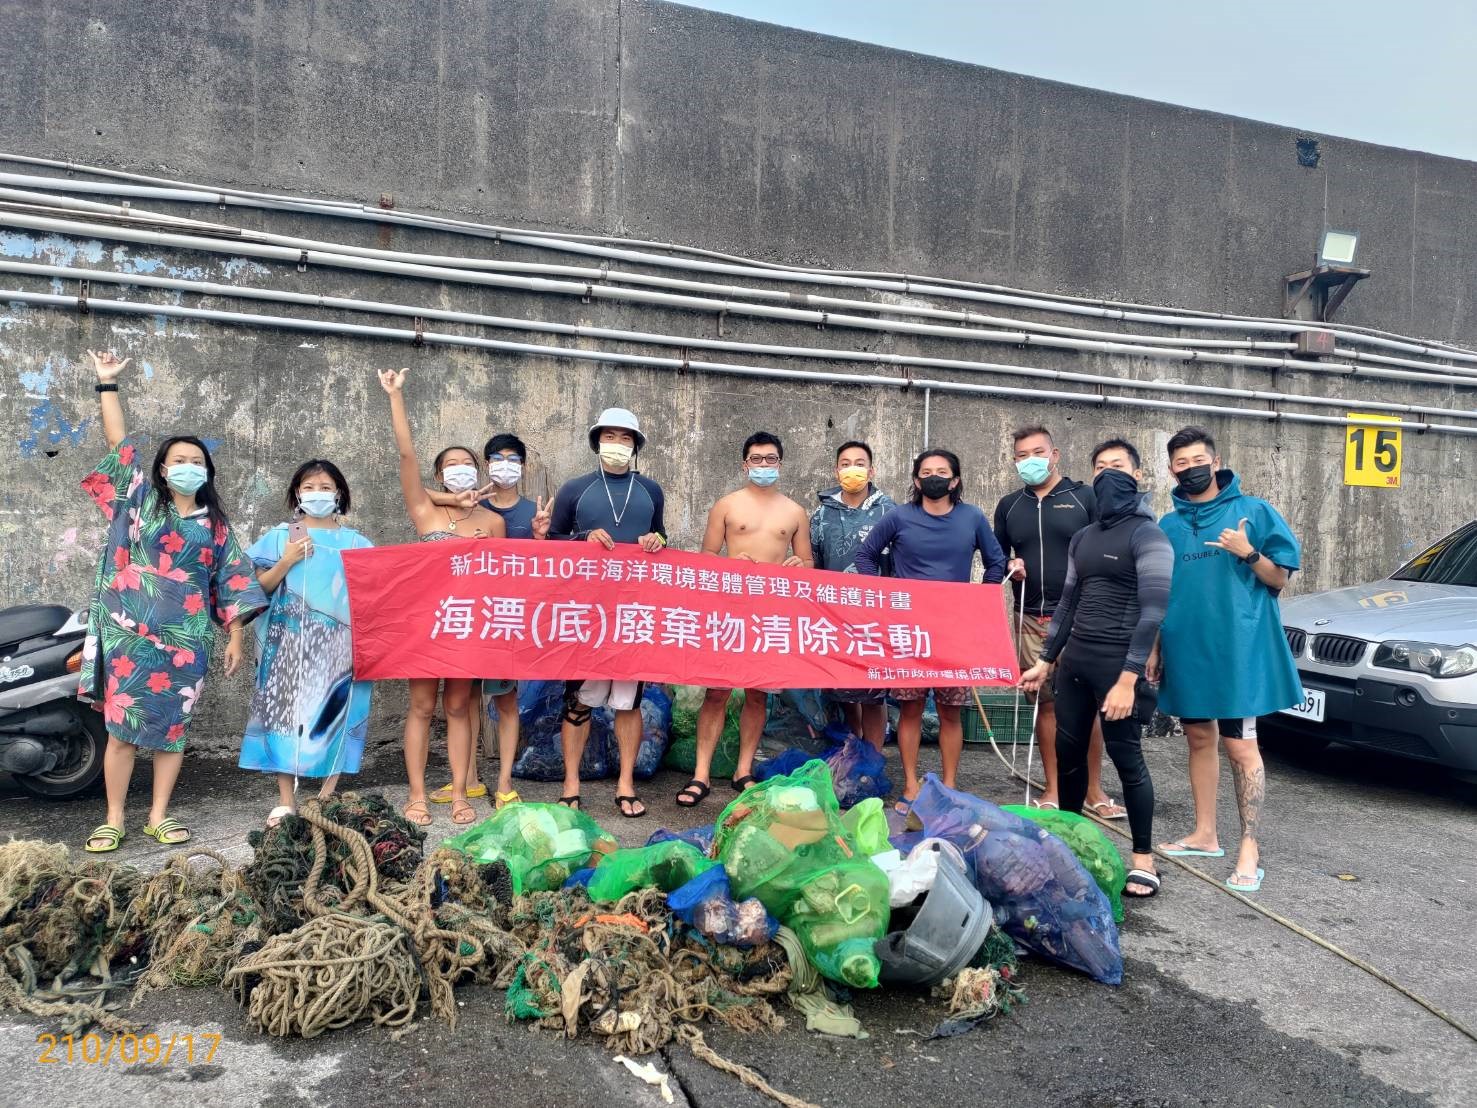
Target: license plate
[(1311, 707)]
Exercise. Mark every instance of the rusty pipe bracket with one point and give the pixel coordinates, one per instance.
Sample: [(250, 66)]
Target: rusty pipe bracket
[(420, 332), (589, 294), (907, 378), (821, 325), (722, 314), (83, 288), (684, 353), (302, 261)]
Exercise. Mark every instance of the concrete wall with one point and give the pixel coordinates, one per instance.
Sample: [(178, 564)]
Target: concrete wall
[(654, 121)]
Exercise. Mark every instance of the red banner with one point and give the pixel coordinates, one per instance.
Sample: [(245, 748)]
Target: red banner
[(527, 610)]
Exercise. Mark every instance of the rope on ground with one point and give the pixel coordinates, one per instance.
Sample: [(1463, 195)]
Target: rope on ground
[(1296, 928), (692, 1038)]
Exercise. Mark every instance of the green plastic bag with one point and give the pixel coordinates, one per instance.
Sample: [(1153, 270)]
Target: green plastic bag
[(783, 841), (866, 824), (666, 865), (1086, 840), (687, 700), (541, 843)]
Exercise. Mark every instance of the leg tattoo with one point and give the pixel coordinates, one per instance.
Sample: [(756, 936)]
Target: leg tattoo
[(1251, 792)]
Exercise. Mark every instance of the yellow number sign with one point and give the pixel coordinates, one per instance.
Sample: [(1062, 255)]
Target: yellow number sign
[(1372, 452)]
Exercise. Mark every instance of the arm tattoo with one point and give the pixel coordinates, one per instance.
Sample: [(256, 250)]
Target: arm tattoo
[(1251, 791)]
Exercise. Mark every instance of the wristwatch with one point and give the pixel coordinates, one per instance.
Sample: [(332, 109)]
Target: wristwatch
[(1253, 558)]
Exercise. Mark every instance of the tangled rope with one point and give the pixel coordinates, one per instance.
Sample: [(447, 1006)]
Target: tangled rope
[(366, 951)]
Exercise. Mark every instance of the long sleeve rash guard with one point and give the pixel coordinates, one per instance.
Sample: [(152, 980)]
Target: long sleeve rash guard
[(1116, 592)]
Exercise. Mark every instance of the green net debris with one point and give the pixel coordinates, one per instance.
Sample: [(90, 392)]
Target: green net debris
[(1087, 841), (687, 700), (783, 841), (542, 844), (665, 866), (866, 824)]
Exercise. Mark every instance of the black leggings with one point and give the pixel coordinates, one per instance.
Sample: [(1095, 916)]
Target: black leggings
[(1084, 675)]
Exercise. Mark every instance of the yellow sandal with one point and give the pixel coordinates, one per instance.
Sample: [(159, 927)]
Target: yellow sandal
[(502, 800), (443, 794)]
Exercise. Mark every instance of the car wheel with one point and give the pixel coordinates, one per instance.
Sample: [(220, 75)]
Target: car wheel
[(83, 766)]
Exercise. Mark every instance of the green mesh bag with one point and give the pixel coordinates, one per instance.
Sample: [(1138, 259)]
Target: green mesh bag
[(783, 841), (541, 843), (1087, 841), (666, 865), (687, 700), (866, 824)]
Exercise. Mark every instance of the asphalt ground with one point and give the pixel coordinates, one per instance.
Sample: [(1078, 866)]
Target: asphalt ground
[(1219, 1005)]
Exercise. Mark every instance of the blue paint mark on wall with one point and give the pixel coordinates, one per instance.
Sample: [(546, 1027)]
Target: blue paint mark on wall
[(38, 382), (52, 248), (49, 427), (213, 444), (147, 369)]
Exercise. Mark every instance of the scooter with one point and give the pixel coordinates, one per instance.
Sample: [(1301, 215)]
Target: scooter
[(50, 741)]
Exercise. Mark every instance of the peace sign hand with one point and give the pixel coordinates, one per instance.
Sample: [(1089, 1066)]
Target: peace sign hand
[(393, 381), (106, 365), (543, 515), (1235, 541)]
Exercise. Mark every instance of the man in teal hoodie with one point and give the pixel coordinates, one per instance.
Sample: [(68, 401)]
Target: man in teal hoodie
[(1223, 657)]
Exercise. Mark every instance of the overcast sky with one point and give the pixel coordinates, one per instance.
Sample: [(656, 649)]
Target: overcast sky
[(1397, 72)]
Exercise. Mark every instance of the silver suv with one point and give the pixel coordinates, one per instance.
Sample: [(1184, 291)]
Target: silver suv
[(1392, 665)]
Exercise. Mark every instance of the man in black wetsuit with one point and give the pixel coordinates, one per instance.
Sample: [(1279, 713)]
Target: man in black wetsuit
[(609, 505), (1033, 525), (1116, 592)]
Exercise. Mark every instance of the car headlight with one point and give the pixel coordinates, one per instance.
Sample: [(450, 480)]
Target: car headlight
[(1431, 659)]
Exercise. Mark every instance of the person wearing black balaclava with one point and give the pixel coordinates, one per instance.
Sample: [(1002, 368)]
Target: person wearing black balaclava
[(1115, 596)]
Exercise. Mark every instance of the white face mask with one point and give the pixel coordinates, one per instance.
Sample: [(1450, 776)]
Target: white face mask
[(503, 473), (318, 504), (617, 455), (459, 478)]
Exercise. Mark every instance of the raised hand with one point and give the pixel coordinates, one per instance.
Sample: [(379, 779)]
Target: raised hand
[(393, 381), (106, 365), (543, 515), (1236, 542)]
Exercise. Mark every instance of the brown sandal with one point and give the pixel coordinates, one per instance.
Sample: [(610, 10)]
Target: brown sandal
[(417, 813), (462, 812)]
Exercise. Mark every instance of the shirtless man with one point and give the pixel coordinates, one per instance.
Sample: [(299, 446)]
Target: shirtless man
[(758, 523)]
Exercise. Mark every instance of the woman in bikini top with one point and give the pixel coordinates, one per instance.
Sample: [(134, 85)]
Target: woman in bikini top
[(456, 470)]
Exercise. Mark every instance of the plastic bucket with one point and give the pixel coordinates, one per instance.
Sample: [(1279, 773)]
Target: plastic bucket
[(947, 932)]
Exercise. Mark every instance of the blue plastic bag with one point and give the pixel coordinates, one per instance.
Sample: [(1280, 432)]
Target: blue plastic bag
[(1042, 895), (858, 769), (706, 904), (700, 837), (541, 711), (859, 772)]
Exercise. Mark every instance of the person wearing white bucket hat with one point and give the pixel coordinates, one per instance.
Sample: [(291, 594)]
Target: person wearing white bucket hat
[(609, 505)]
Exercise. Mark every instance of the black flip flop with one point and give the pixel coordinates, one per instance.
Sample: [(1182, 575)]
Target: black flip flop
[(742, 783), (572, 802), (686, 798), (622, 801), (1141, 877)]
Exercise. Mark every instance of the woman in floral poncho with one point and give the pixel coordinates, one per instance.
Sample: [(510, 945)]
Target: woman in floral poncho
[(170, 565)]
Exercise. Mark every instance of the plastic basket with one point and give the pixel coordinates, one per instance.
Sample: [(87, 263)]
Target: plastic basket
[(1000, 713)]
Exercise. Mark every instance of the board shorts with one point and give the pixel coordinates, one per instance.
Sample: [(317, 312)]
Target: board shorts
[(1230, 728), (1028, 653), (947, 696), (618, 696), (496, 686)]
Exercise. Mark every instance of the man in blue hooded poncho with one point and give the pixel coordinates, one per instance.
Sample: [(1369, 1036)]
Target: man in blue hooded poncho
[(1223, 655)]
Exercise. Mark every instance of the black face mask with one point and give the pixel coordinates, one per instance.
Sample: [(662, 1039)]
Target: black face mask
[(1194, 480), (1117, 494), (935, 487)]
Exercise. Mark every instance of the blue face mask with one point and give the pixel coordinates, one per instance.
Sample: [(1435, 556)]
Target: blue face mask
[(319, 504), (764, 476), (1034, 471), (185, 478)]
